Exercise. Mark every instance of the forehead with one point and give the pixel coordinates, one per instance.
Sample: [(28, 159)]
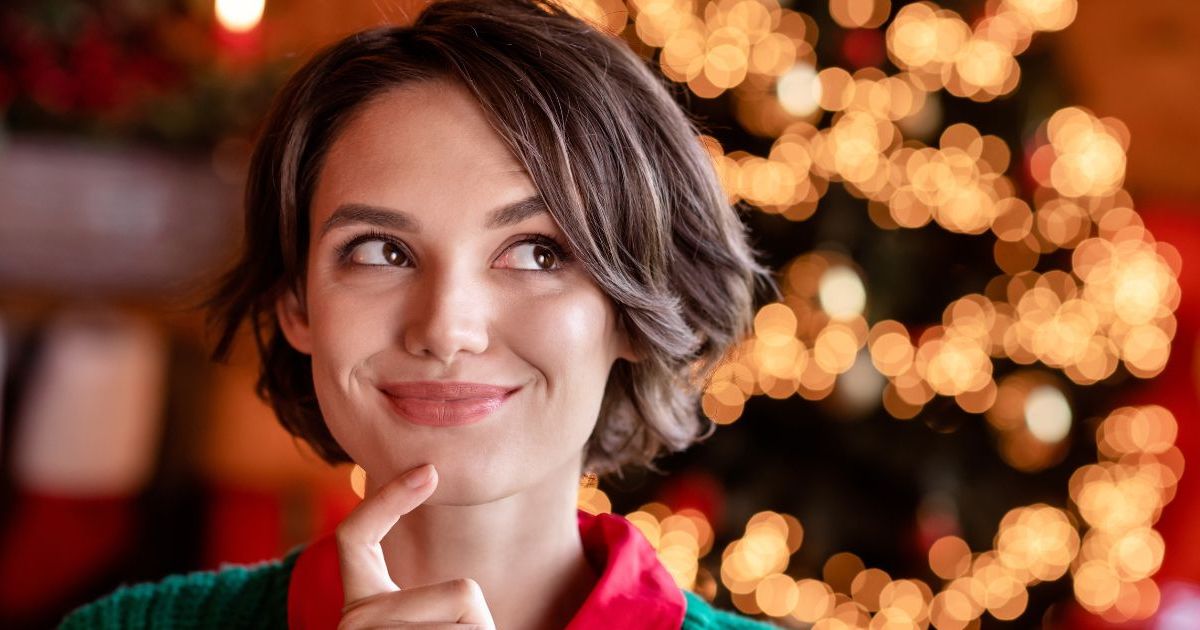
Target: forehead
[(419, 144)]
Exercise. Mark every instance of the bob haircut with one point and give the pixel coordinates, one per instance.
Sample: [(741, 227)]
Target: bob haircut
[(618, 163)]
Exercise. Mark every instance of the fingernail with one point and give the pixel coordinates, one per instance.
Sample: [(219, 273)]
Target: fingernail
[(419, 477)]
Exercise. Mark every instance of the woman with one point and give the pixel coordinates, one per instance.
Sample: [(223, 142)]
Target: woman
[(483, 254)]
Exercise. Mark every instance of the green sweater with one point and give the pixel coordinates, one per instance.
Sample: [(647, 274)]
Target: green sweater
[(255, 596)]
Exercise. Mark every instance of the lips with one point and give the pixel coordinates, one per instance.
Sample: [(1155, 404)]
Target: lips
[(445, 403)]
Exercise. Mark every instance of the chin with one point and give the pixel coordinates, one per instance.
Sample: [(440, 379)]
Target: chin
[(459, 486), (461, 497), (462, 479)]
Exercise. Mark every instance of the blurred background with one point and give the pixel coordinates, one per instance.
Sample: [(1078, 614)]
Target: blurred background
[(972, 408)]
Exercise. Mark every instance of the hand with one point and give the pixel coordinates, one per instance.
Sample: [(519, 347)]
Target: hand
[(372, 599)]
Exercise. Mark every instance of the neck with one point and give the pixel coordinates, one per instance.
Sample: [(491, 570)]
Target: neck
[(524, 550)]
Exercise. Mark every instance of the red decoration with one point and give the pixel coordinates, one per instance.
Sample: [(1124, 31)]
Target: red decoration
[(863, 48)]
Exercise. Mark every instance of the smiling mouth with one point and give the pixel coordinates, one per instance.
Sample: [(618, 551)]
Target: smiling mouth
[(447, 411)]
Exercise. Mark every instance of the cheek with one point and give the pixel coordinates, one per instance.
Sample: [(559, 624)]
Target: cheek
[(566, 343), (566, 336), (347, 329)]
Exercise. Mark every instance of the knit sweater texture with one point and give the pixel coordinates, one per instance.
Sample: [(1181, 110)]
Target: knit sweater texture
[(255, 596)]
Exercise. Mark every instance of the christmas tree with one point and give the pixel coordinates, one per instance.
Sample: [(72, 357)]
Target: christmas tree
[(930, 412)]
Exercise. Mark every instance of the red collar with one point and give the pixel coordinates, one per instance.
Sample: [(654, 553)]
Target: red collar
[(634, 589)]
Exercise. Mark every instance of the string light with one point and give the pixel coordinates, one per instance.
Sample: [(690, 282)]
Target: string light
[(1111, 564), (1114, 307)]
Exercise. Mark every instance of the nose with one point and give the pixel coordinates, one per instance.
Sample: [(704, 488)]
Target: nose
[(446, 315)]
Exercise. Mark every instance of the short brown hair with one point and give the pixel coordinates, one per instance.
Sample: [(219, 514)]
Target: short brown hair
[(618, 162)]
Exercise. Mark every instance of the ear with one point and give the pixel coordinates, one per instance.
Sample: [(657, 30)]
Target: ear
[(293, 321)]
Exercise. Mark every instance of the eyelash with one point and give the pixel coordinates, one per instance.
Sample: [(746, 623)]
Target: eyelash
[(560, 252)]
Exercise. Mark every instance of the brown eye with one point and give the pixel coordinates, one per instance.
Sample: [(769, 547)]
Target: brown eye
[(371, 253), (544, 257), (533, 257)]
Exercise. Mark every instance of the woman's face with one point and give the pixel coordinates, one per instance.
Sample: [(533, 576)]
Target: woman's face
[(412, 276)]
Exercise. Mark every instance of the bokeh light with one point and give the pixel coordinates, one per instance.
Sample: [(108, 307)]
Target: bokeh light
[(239, 16)]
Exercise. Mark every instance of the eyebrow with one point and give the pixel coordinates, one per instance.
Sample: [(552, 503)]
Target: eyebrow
[(400, 221)]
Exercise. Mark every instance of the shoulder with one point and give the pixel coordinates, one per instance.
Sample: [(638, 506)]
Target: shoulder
[(234, 596), (702, 616)]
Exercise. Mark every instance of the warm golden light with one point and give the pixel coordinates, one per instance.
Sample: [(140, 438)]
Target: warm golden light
[(952, 610), (1096, 586), (949, 557), (814, 600), (1149, 429), (659, 19), (239, 16), (840, 570), (1114, 309), (593, 500), (866, 587), (680, 539), (1088, 155), (891, 349), (764, 550), (835, 348), (1036, 542), (841, 292), (358, 481), (799, 91), (777, 595), (923, 38), (860, 13), (1047, 414), (1044, 15)]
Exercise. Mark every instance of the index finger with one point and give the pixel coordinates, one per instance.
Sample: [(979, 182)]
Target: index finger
[(364, 572)]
